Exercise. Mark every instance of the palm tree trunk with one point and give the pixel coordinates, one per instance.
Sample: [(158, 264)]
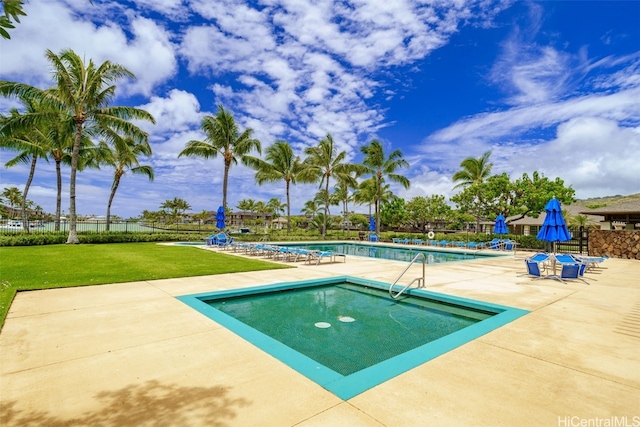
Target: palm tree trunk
[(114, 188), (73, 235), (58, 195), (288, 209), (326, 210), (225, 180), (32, 172)]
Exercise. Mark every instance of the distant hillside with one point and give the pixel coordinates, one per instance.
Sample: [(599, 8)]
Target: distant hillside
[(601, 202)]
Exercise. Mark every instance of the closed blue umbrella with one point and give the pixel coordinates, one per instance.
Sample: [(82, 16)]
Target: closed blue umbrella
[(554, 228), (372, 223), (220, 217), (500, 227)]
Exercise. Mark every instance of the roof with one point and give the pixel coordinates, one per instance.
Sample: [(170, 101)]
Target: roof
[(619, 208)]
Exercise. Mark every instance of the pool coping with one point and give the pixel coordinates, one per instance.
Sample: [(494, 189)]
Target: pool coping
[(346, 387)]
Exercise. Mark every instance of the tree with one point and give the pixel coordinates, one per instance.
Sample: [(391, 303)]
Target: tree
[(474, 171), (393, 212), (223, 137), (13, 196), (121, 153), (12, 13), (31, 144), (276, 207), (310, 208), (82, 96), (248, 205), (515, 200), (280, 164), (427, 211), (176, 208), (323, 161), (381, 168)]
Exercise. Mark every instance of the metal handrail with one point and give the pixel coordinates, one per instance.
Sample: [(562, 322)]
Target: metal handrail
[(421, 280)]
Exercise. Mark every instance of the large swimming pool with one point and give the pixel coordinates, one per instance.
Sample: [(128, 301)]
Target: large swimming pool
[(393, 252), (346, 333)]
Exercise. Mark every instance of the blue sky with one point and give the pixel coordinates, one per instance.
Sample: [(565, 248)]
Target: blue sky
[(551, 86)]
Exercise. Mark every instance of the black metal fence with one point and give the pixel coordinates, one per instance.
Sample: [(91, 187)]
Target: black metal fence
[(34, 227), (579, 242)]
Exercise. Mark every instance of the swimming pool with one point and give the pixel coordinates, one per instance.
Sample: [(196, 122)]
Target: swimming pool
[(346, 333), (393, 252)]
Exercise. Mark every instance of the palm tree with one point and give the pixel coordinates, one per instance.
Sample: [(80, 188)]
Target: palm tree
[(122, 155), (248, 205), (82, 94), (474, 171), (223, 137), (32, 144), (310, 208), (275, 207), (13, 196), (381, 167), (176, 207), (280, 164), (322, 162)]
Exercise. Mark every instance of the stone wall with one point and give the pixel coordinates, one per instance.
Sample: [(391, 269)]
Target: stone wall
[(615, 243)]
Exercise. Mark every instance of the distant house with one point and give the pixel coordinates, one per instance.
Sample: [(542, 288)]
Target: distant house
[(620, 216), (248, 219)]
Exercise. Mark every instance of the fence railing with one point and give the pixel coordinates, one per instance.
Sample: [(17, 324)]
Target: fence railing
[(14, 226)]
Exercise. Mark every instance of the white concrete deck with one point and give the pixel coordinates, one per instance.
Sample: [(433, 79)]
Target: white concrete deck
[(131, 354)]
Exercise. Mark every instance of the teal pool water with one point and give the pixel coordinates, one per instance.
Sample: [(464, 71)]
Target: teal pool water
[(346, 333), (394, 253)]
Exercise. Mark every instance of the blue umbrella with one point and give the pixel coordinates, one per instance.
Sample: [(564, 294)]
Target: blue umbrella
[(500, 226), (220, 217), (372, 223), (553, 229)]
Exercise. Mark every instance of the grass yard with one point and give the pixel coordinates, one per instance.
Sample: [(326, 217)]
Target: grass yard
[(61, 266)]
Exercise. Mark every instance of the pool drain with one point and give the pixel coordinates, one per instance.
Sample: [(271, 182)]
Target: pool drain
[(323, 325), (346, 319)]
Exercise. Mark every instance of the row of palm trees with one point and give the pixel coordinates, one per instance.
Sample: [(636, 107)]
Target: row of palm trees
[(322, 164), (59, 123)]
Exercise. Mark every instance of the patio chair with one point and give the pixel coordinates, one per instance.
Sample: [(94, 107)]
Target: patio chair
[(533, 269), (572, 272), (509, 245), (373, 237), (211, 240), (222, 240)]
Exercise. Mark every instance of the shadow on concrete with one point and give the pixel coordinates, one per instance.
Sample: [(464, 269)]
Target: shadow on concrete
[(151, 403)]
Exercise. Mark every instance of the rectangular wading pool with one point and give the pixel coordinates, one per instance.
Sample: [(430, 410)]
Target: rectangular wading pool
[(346, 333)]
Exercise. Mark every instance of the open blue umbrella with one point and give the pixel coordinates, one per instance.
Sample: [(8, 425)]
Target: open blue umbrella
[(554, 228), (220, 217), (500, 227)]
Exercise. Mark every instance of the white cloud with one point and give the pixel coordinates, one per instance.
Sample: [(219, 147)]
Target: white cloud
[(148, 53)]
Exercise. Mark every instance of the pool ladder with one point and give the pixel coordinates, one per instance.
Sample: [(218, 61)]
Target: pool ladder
[(420, 280)]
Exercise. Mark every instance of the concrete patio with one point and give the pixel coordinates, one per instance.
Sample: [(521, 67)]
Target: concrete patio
[(132, 354)]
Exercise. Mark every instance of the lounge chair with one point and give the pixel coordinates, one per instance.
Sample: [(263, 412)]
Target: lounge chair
[(495, 244), (211, 240), (315, 257), (373, 238)]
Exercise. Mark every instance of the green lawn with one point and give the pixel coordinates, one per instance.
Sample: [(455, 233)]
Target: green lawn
[(61, 266)]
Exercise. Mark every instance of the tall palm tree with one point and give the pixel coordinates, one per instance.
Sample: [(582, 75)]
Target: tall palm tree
[(310, 208), (82, 95), (323, 161), (121, 153), (275, 207), (474, 171), (31, 145), (13, 196), (223, 137), (280, 164), (381, 167)]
